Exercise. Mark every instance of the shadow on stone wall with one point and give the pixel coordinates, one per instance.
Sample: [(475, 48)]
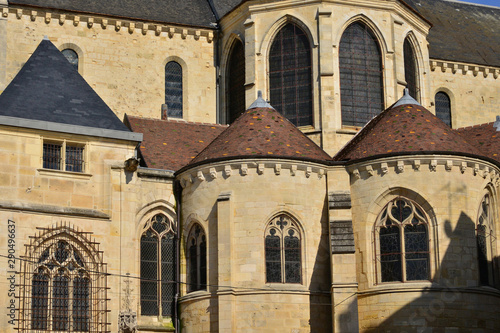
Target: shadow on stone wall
[(319, 286), (454, 302)]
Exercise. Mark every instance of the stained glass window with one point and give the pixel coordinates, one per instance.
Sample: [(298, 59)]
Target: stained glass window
[(290, 75), (283, 251), (72, 57), (65, 279), (403, 253), (361, 87), (173, 89), (158, 267), (410, 62), (443, 107), (197, 259), (483, 241), (235, 97)]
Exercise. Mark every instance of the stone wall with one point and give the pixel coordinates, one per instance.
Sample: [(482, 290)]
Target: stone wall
[(449, 190), (123, 61)]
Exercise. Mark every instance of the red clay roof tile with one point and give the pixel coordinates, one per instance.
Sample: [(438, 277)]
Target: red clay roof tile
[(171, 144), (262, 132), (484, 137), (404, 129)]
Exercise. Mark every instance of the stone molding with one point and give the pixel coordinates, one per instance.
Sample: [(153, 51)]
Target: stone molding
[(433, 163), (464, 69), (245, 167), (54, 210), (131, 26)]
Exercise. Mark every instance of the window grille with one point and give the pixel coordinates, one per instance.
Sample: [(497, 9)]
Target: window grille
[(283, 251), (361, 87), (411, 74), (63, 283), (173, 89), (197, 259), (63, 156), (290, 75), (484, 240), (158, 267), (72, 57), (443, 107), (236, 83), (402, 232)]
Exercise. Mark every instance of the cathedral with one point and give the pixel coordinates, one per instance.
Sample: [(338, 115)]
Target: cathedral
[(249, 166)]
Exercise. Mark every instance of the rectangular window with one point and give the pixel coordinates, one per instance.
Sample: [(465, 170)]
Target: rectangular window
[(63, 156)]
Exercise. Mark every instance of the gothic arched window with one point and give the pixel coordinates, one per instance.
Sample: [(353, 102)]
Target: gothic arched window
[(483, 241), (283, 251), (197, 259), (173, 89), (403, 242), (65, 284), (443, 107), (361, 87), (72, 57), (235, 97), (290, 75), (411, 73), (158, 274)]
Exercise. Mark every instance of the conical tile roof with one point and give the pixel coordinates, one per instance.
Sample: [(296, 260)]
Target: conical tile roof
[(485, 137), (48, 89), (405, 129), (261, 132)]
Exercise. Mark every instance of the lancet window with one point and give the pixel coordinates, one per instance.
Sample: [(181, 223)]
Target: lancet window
[(361, 87), (158, 268), (443, 107), (403, 242), (290, 75), (411, 72), (235, 97), (484, 236), (173, 89), (197, 259), (283, 251)]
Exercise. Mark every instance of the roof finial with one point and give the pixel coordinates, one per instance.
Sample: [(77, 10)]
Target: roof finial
[(45, 37), (406, 99), (496, 124), (260, 102)]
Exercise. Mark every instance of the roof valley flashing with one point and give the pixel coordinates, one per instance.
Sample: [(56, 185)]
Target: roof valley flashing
[(49, 94)]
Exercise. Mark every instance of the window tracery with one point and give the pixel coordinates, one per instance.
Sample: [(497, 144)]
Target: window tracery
[(197, 259), (63, 285), (283, 251), (158, 266), (403, 242)]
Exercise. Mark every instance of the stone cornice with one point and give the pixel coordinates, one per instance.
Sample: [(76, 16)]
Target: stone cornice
[(432, 163), (91, 21), (464, 68), (244, 167)]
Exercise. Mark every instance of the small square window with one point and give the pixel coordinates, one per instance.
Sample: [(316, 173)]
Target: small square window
[(63, 156)]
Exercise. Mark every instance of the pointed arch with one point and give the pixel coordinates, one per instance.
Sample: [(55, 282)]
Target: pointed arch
[(290, 74), (63, 265), (196, 250), (361, 74), (283, 244), (485, 238), (411, 65), (235, 81)]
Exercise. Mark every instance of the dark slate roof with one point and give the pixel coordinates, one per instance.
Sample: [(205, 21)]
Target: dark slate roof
[(223, 7), (185, 12), (48, 89), (405, 129), (462, 32), (485, 137), (171, 144), (261, 132)]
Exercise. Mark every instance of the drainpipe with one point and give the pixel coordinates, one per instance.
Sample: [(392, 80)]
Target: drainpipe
[(178, 199)]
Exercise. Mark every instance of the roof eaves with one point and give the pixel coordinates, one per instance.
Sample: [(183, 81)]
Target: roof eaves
[(70, 129)]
